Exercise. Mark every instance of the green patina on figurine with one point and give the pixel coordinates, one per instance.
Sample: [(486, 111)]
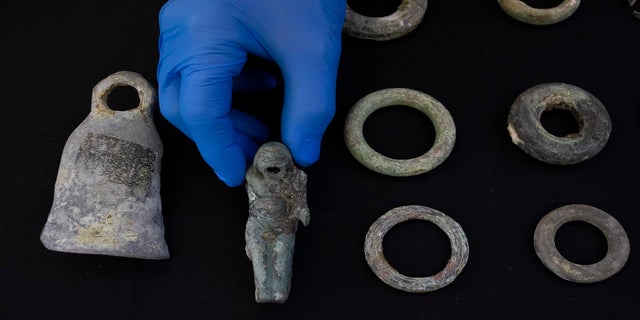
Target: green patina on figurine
[(277, 193)]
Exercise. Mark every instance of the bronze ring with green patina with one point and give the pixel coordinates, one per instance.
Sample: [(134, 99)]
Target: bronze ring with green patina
[(445, 132), (522, 12), (402, 21)]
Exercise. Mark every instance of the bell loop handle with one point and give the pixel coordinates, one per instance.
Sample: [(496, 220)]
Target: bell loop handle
[(146, 93)]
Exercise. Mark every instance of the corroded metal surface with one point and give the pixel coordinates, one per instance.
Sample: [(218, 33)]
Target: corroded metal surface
[(277, 193), (635, 8), (520, 11), (617, 243), (527, 132), (402, 21), (443, 123), (107, 193), (386, 273)]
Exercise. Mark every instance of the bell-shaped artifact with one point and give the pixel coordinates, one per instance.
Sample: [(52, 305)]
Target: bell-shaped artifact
[(107, 193)]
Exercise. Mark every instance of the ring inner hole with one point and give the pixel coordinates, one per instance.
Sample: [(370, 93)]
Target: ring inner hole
[(581, 242), (417, 248), (399, 132), (561, 120), (543, 4), (123, 98), (374, 8)]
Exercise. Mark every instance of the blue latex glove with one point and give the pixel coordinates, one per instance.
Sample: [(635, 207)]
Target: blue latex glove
[(203, 48)]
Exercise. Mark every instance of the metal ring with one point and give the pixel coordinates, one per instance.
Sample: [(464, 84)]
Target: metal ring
[(617, 242), (524, 13), (527, 132), (442, 121), (379, 265), (404, 20)]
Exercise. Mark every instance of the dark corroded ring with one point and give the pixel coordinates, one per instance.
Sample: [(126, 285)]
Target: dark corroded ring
[(379, 265), (404, 20), (437, 113), (617, 243), (524, 13), (528, 133)]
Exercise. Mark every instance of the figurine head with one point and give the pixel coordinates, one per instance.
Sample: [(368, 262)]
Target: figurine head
[(273, 160)]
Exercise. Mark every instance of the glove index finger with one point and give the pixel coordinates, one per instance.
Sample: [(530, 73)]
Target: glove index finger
[(308, 110), (309, 106), (205, 107)]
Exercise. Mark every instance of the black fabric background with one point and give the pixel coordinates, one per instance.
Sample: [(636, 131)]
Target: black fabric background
[(470, 56)]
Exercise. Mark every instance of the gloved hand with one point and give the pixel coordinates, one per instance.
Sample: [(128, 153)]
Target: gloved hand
[(203, 48)]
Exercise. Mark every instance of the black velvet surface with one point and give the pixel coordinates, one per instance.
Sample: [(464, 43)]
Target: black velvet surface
[(470, 56)]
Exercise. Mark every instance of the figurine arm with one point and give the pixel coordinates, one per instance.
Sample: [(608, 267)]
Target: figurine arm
[(303, 215), (250, 182), (301, 209)]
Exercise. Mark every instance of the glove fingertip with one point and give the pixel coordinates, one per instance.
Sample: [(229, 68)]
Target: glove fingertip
[(229, 165), (306, 151), (232, 179)]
